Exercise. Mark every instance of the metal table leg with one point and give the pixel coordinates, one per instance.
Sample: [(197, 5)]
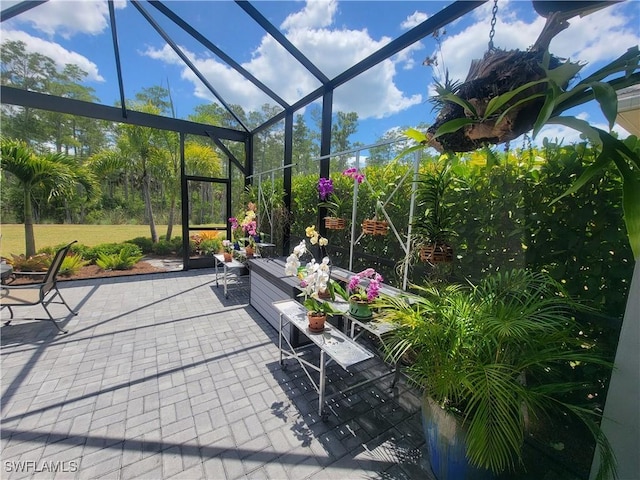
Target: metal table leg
[(321, 384), (224, 268)]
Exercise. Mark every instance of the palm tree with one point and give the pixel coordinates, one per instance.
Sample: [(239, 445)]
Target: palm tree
[(55, 174)]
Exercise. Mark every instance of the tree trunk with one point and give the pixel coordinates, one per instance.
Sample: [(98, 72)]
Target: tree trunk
[(146, 191), (172, 213), (29, 238)]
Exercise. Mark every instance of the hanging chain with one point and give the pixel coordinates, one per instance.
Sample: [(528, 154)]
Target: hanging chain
[(492, 32)]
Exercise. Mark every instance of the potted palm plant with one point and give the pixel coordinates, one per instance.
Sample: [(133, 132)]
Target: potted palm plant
[(488, 358), (432, 222)]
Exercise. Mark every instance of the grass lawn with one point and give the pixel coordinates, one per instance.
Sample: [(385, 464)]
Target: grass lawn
[(51, 235)]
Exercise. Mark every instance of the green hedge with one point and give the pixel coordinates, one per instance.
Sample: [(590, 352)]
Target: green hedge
[(504, 219)]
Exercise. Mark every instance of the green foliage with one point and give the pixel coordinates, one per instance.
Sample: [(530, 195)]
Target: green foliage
[(211, 246), (80, 249), (72, 264), (339, 203), (601, 86), (162, 247), (43, 178), (144, 243), (176, 245), (110, 249), (34, 263), (125, 259), (433, 213), (504, 219), (489, 351)]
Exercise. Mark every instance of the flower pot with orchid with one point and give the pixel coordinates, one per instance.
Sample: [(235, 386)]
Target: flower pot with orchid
[(246, 231), (338, 206), (315, 276), (363, 288), (377, 225), (227, 250)]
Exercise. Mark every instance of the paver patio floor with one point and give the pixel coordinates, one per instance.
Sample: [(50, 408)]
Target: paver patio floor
[(162, 377)]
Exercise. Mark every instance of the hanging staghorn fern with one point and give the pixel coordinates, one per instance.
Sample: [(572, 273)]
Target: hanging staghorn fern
[(508, 93)]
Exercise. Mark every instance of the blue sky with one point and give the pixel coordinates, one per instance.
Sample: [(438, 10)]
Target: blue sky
[(333, 34)]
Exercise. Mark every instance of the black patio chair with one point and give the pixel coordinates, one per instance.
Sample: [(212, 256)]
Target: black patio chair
[(41, 293)]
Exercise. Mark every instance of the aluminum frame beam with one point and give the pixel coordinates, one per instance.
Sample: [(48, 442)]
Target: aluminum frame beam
[(24, 98)]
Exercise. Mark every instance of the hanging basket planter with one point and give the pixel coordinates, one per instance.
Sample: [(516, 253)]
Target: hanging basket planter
[(436, 253), (335, 223), (375, 227)]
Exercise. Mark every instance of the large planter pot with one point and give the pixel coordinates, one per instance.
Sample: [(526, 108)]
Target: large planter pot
[(360, 310), (445, 436), (316, 321)]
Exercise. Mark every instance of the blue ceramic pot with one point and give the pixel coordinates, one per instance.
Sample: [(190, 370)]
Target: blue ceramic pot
[(445, 436)]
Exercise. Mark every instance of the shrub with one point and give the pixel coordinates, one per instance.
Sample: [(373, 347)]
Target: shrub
[(211, 246), (162, 248), (37, 263), (145, 244), (124, 260), (51, 250), (209, 234), (113, 249), (72, 264), (83, 250), (176, 244)]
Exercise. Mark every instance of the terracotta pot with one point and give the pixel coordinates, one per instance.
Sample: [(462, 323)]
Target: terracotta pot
[(375, 227), (227, 257), (249, 251), (335, 223), (324, 294), (316, 321)]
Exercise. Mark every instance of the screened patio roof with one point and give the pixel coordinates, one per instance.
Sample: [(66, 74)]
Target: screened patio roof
[(169, 20)]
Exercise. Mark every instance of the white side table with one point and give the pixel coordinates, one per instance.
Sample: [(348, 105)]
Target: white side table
[(333, 344), (226, 267)]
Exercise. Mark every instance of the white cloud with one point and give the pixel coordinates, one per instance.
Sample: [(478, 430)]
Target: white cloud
[(315, 14), (65, 18), (61, 56), (587, 39), (415, 19), (591, 39), (232, 86), (331, 50)]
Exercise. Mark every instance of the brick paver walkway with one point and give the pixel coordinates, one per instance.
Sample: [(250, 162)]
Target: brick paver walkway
[(162, 377)]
